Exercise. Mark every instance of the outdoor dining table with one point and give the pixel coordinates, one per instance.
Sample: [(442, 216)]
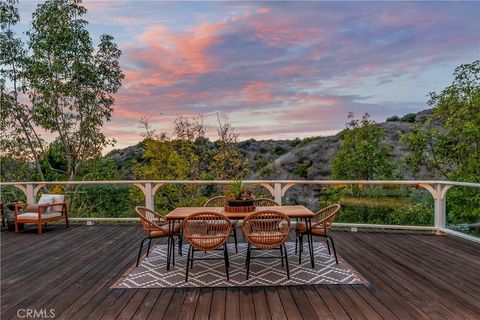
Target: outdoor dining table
[(296, 211)]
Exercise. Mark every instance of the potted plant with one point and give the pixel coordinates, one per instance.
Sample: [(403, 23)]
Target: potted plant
[(239, 196)]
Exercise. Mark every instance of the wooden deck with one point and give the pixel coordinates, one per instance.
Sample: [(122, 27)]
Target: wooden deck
[(70, 270)]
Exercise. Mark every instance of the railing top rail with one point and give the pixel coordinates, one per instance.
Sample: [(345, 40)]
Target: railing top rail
[(321, 182)]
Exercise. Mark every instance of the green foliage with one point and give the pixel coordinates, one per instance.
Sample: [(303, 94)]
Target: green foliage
[(453, 153), (306, 141), (363, 155), (409, 117), (301, 170), (69, 85), (463, 206), (237, 190), (393, 119), (380, 206), (279, 150), (228, 162)]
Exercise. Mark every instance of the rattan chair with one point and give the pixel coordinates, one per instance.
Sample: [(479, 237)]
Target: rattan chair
[(156, 226), (221, 201), (206, 231), (265, 202), (320, 227), (266, 230)]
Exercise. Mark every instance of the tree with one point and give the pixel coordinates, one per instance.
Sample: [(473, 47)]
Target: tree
[(19, 139), (452, 152), (362, 154), (228, 162), (68, 83)]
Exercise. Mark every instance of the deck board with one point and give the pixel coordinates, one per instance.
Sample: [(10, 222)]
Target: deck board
[(414, 276)]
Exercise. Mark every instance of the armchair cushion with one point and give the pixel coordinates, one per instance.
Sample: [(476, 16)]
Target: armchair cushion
[(46, 199), (54, 198), (34, 215)]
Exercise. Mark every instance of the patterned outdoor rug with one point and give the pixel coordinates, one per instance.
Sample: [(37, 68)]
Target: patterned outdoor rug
[(152, 271)]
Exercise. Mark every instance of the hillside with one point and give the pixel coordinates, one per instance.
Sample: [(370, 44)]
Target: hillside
[(309, 158)]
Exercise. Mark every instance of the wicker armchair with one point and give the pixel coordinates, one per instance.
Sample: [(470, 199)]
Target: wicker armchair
[(206, 231), (156, 226), (266, 230), (265, 202), (50, 207), (221, 201), (321, 227)]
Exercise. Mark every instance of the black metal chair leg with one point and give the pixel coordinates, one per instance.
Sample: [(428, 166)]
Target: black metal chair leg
[(188, 262), (227, 263), (281, 254), (300, 249), (180, 243), (191, 262), (248, 260), (310, 248), (173, 250), (328, 246), (235, 239), (169, 251), (296, 243), (140, 251), (333, 247), (286, 261), (148, 247)]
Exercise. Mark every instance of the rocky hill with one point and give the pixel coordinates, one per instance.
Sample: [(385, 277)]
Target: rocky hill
[(309, 158)]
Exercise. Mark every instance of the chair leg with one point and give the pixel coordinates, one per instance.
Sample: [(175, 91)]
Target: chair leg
[(300, 249), (333, 247), (16, 227), (248, 259), (328, 246), (180, 243), (188, 262), (39, 228), (140, 251), (191, 262), (296, 243), (281, 254), (173, 250), (286, 261), (310, 249), (235, 239), (148, 247), (227, 263)]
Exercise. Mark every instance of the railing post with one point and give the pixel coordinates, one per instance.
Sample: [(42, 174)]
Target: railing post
[(439, 193), (148, 196), (277, 192), (30, 193)]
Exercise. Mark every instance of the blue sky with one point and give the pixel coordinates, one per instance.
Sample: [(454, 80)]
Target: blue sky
[(279, 69)]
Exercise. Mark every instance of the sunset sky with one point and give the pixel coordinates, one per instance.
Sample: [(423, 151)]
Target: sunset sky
[(279, 69)]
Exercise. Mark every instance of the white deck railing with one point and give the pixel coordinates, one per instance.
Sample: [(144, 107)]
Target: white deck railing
[(278, 188)]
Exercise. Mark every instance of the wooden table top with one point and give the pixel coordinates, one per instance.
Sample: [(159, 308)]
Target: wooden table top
[(291, 211)]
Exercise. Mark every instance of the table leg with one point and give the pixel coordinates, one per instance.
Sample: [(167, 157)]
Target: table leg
[(310, 243)]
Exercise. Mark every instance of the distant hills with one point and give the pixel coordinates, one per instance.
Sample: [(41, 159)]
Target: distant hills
[(308, 158)]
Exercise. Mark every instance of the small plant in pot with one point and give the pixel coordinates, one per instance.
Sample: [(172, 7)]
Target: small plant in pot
[(238, 195)]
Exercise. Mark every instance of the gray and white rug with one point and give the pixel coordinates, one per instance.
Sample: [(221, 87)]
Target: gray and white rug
[(152, 271)]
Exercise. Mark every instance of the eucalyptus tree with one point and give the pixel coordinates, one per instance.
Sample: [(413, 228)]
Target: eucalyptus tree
[(18, 139), (69, 85)]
